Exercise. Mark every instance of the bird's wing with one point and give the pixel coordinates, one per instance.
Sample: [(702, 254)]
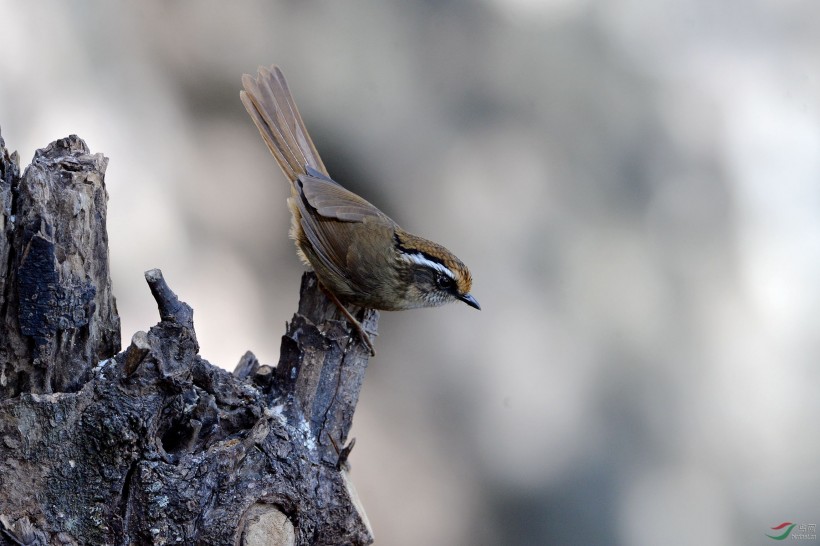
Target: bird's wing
[(333, 201), (332, 218)]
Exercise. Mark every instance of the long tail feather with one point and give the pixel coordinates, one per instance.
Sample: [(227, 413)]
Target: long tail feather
[(270, 104)]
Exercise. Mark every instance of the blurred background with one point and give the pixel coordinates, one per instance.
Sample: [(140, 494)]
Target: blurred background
[(635, 187)]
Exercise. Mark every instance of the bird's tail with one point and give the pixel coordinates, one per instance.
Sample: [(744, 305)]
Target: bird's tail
[(270, 104)]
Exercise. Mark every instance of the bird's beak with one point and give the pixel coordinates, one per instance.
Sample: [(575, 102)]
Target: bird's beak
[(469, 300)]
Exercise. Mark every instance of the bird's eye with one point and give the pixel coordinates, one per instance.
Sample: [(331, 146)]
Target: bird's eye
[(443, 282)]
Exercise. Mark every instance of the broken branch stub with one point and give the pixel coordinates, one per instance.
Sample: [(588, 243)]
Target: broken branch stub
[(59, 315)]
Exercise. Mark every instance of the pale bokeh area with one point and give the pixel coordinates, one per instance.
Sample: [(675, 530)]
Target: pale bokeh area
[(635, 186)]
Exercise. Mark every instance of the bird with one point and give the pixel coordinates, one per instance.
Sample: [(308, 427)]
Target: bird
[(360, 255)]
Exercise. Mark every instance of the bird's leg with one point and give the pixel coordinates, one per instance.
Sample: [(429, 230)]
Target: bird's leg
[(356, 324), (342, 454)]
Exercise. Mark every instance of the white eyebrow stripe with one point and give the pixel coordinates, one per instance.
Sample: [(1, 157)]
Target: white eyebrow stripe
[(421, 260)]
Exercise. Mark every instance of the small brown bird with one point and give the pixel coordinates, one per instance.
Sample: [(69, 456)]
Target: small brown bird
[(359, 254)]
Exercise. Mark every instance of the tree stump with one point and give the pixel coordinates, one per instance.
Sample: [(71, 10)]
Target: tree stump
[(155, 445)]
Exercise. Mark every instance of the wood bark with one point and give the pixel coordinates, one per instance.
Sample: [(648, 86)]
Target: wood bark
[(153, 444)]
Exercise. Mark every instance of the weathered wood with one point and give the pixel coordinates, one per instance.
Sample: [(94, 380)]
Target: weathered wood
[(155, 445), (58, 312), (325, 368)]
